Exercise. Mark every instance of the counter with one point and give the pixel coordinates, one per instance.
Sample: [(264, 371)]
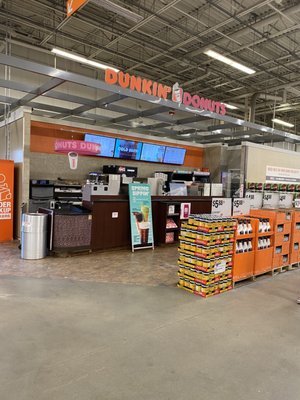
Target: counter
[(109, 231)]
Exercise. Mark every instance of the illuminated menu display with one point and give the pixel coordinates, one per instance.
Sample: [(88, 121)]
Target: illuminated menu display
[(128, 149), (107, 144), (153, 152), (174, 155)]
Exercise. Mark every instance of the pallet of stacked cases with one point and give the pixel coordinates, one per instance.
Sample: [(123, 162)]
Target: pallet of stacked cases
[(205, 254), (281, 224), (244, 250)]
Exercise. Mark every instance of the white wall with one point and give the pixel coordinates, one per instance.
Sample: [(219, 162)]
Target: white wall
[(259, 156)]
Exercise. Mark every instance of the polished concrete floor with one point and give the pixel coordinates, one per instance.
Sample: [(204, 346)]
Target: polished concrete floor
[(69, 339)]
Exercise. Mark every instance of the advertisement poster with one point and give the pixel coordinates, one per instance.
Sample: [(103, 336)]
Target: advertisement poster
[(140, 216), (255, 198), (6, 199), (282, 174), (185, 210), (271, 200)]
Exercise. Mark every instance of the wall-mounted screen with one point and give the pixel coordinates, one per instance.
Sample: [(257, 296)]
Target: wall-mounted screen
[(174, 155), (153, 152), (128, 149), (107, 144)]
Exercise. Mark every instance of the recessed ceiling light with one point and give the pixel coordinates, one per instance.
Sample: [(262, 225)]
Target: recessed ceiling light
[(283, 123), (80, 59), (229, 61)]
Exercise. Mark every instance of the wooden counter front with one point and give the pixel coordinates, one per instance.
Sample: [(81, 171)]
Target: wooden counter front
[(109, 232)]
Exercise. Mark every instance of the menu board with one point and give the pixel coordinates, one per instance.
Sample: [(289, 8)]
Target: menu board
[(153, 152), (107, 144), (174, 155), (128, 149)]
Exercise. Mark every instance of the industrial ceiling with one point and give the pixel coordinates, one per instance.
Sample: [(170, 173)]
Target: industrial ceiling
[(162, 40)]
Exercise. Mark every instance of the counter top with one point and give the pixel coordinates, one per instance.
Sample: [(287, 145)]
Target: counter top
[(72, 210), (166, 199)]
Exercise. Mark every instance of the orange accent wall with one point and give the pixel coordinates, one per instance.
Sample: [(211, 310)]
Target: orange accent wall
[(43, 136), (6, 200)]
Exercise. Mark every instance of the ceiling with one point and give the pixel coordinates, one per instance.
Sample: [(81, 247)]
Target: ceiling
[(166, 43)]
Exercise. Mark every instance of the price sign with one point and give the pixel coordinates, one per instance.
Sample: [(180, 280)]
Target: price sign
[(297, 203), (270, 200), (286, 200), (220, 267), (241, 206), (255, 199), (221, 207)]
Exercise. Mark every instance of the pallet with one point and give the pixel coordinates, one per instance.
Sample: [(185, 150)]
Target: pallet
[(285, 268), (261, 275), (243, 282), (293, 266)]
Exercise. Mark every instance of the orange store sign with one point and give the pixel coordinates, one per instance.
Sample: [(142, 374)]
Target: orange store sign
[(152, 88), (74, 5)]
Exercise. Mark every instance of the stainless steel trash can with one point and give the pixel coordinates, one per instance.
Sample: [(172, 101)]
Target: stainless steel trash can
[(34, 236)]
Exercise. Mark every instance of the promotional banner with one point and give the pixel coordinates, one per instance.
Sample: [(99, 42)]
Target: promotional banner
[(74, 5), (281, 174), (221, 207), (77, 146), (140, 216), (6, 199)]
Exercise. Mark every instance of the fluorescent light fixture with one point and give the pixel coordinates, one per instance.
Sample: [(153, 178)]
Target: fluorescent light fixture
[(246, 136), (83, 60), (185, 134), (229, 61), (283, 123), (230, 106), (115, 8)]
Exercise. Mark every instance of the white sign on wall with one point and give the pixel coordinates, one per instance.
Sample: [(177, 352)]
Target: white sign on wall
[(255, 199), (240, 206), (221, 207), (282, 174), (271, 200)]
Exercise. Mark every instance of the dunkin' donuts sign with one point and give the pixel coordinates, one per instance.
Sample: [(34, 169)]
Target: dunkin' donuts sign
[(77, 146), (176, 93)]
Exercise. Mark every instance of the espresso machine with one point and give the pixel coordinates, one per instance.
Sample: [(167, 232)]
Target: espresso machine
[(101, 185)]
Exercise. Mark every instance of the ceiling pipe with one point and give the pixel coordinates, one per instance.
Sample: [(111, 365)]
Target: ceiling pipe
[(253, 107)]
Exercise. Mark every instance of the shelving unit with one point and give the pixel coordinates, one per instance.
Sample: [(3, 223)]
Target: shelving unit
[(170, 218)]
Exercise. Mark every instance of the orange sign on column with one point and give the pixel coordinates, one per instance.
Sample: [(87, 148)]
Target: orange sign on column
[(6, 199), (74, 5)]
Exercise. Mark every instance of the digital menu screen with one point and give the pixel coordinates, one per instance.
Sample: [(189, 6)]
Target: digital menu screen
[(128, 149), (153, 152), (107, 144), (174, 155)]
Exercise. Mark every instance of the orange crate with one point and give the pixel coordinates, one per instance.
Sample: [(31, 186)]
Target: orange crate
[(283, 227), (296, 216), (295, 236), (243, 265), (263, 260), (283, 248), (280, 260), (281, 238), (294, 257), (277, 217)]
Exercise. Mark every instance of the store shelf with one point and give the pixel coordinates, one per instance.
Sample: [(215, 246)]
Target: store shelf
[(244, 237), (264, 234), (173, 215)]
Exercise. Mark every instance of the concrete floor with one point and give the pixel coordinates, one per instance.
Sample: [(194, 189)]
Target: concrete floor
[(66, 340)]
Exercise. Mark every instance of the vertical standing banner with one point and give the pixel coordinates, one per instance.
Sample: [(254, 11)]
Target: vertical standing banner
[(140, 216), (6, 199)]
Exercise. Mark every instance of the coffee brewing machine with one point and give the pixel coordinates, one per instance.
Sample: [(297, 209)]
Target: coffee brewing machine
[(181, 183)]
